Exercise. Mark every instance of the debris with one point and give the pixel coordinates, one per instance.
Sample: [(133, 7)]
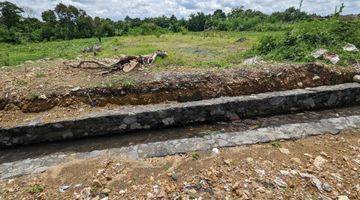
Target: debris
[(350, 47), (332, 57), (319, 52), (252, 61), (215, 151), (126, 63), (319, 161), (63, 189), (280, 182), (94, 48)]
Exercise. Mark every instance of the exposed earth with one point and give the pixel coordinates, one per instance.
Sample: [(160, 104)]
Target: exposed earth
[(65, 92), (322, 167)]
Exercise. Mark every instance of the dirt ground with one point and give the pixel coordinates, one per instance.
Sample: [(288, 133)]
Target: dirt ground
[(37, 92), (322, 167)]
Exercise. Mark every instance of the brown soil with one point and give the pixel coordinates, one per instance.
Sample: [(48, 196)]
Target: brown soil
[(29, 90), (236, 173)]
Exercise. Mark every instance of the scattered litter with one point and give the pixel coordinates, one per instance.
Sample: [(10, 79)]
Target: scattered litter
[(319, 52), (252, 61), (332, 57), (63, 188), (350, 47)]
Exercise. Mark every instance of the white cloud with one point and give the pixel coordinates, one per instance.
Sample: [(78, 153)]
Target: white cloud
[(118, 9)]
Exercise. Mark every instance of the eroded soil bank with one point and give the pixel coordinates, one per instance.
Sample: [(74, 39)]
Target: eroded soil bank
[(64, 91)]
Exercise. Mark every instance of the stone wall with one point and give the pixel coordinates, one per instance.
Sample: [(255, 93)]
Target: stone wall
[(179, 114)]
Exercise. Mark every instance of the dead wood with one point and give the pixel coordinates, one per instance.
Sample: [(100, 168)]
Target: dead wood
[(126, 64)]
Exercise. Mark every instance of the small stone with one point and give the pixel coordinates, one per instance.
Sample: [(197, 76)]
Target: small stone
[(316, 78), (317, 183), (319, 161), (296, 160), (43, 96), (285, 173), (215, 151), (228, 162), (300, 84), (122, 192), (75, 89), (106, 191), (326, 187), (356, 78), (343, 197), (174, 176), (191, 191), (280, 182), (284, 151)]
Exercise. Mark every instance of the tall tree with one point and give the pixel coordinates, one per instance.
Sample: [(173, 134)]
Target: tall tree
[(10, 14)]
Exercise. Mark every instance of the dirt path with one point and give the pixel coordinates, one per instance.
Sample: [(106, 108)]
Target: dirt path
[(322, 167)]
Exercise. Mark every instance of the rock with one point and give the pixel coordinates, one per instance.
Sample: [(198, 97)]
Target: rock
[(285, 173), (356, 78), (132, 65), (343, 197), (319, 161), (260, 172), (122, 192), (43, 96), (215, 151), (105, 198), (317, 183), (64, 188), (316, 78), (296, 160), (85, 193), (284, 151), (228, 162), (280, 182), (326, 187), (106, 191), (350, 47), (319, 52), (75, 89), (300, 84), (332, 57), (174, 176)]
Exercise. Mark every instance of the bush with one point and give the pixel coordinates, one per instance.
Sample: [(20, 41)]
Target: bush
[(298, 43)]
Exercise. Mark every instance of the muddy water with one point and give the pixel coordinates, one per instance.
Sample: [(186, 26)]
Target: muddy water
[(116, 141)]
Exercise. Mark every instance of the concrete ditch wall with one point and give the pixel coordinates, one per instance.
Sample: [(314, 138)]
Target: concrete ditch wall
[(179, 114)]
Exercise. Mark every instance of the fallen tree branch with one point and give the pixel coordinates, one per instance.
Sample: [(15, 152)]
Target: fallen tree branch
[(125, 64)]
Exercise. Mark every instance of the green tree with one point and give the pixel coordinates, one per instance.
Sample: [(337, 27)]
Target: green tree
[(10, 14), (197, 22)]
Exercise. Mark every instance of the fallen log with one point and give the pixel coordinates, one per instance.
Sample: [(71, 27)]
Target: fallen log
[(125, 64)]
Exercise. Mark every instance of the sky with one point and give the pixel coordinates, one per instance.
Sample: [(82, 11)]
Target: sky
[(119, 9)]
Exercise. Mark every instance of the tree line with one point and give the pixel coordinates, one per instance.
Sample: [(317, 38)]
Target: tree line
[(66, 22)]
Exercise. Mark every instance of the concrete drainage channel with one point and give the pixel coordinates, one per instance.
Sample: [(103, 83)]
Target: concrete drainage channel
[(159, 116)]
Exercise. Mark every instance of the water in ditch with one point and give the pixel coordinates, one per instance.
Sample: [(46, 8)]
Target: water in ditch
[(121, 140)]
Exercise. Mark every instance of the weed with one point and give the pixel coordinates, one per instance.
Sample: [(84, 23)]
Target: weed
[(40, 75), (21, 82), (275, 144), (36, 189), (195, 156), (34, 96)]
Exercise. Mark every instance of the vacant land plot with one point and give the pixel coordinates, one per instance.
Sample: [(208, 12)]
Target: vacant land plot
[(208, 49)]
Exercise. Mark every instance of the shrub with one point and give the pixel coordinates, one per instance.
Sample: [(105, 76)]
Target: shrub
[(298, 43)]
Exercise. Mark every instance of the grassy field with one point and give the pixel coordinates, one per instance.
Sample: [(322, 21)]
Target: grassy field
[(206, 49)]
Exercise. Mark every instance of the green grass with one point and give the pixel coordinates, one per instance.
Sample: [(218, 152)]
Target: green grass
[(205, 49)]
